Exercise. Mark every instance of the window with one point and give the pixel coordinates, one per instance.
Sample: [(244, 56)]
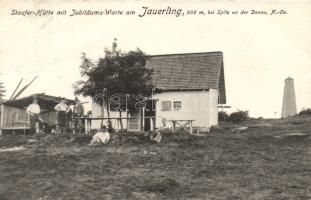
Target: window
[(177, 105), (166, 106)]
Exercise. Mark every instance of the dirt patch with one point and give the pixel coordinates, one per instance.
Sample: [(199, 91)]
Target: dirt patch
[(166, 186), (12, 149)]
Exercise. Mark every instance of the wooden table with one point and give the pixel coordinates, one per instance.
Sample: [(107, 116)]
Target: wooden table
[(183, 123)]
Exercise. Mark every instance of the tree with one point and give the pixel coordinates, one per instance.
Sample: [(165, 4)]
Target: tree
[(124, 77), (2, 91), (222, 116), (305, 111), (239, 116)]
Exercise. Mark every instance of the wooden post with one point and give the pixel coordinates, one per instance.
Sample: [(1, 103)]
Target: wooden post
[(151, 124), (1, 119), (57, 128), (143, 119), (74, 126), (37, 127), (86, 128), (120, 121), (190, 125), (174, 126), (127, 120)]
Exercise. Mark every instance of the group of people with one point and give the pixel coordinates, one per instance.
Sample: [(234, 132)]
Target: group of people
[(67, 117), (103, 135), (70, 119)]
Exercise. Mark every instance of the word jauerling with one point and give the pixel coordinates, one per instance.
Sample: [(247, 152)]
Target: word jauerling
[(167, 11)]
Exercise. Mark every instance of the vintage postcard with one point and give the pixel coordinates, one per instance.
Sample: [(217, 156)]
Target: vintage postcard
[(155, 99)]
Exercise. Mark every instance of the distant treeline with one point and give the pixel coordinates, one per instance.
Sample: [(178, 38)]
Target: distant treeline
[(234, 117), (240, 116), (305, 112)]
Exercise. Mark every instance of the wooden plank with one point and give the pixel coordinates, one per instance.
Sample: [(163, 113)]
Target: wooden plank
[(4, 116), (183, 125), (12, 115), (221, 106), (1, 118), (86, 122), (98, 118), (190, 124), (24, 88), (143, 119), (181, 120), (16, 88), (15, 128), (151, 124), (155, 114)]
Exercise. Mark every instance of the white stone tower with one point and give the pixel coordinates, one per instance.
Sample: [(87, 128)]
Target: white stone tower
[(289, 100)]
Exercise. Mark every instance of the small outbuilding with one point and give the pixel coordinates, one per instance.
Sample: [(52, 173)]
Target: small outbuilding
[(15, 118)]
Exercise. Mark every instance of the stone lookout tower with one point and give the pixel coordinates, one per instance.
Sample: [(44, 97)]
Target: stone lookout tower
[(289, 100)]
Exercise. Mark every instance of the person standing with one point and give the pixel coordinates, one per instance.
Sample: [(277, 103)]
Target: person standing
[(63, 112), (78, 112), (33, 110)]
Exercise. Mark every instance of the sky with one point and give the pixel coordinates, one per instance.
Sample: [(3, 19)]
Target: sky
[(260, 51)]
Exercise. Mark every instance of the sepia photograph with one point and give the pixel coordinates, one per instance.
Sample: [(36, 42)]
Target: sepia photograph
[(132, 99)]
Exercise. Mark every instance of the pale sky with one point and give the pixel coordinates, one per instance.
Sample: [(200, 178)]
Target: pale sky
[(259, 51)]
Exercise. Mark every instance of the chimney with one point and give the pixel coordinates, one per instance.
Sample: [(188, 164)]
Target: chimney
[(289, 100)]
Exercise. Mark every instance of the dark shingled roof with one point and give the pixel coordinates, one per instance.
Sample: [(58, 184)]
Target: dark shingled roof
[(189, 71), (45, 101)]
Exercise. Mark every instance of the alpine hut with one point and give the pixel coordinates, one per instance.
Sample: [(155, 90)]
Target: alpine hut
[(188, 88)]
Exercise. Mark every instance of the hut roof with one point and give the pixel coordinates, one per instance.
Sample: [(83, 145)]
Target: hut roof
[(46, 102), (189, 71)]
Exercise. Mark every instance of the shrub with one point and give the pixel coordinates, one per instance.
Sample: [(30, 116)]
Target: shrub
[(305, 112), (216, 129), (238, 116), (223, 116)]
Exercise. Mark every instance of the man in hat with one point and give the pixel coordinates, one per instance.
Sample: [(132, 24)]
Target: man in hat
[(33, 110), (78, 111), (63, 114)]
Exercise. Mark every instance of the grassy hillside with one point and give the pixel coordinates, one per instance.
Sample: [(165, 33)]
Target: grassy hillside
[(267, 161)]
